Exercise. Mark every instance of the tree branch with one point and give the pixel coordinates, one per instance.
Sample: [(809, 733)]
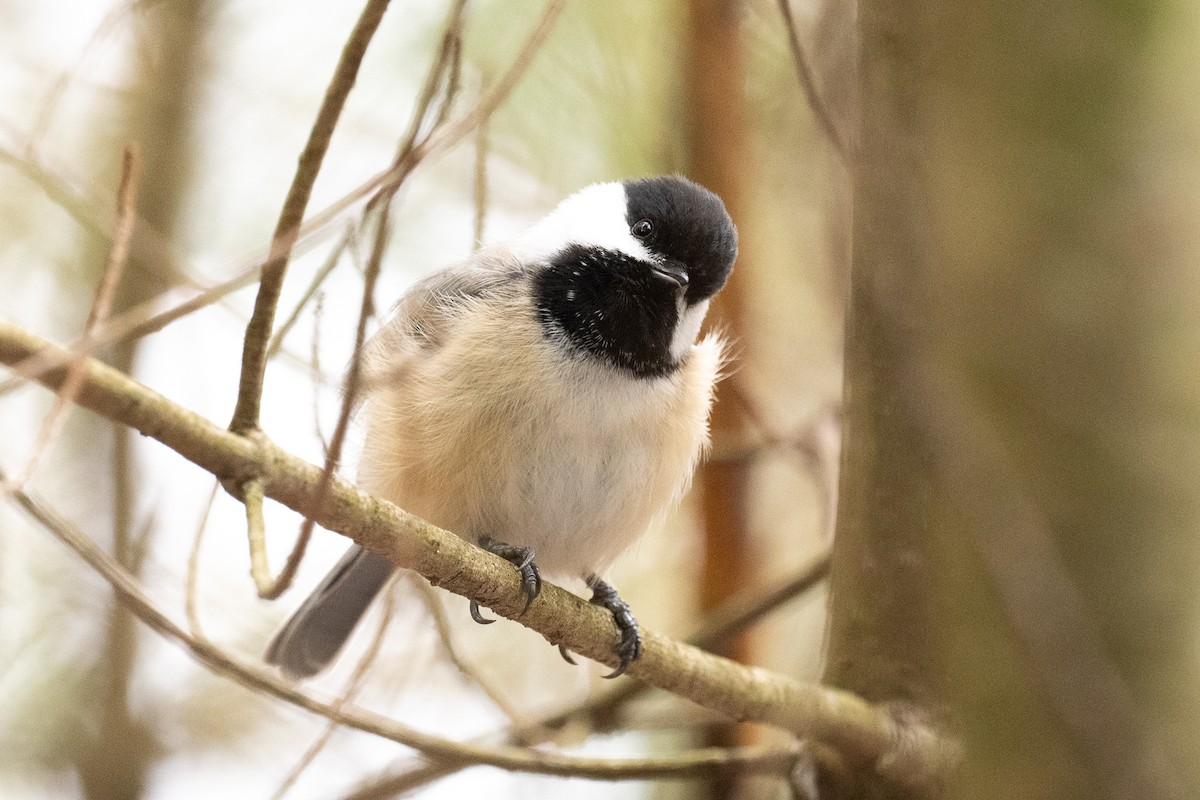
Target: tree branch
[(260, 679), (867, 735), (737, 612)]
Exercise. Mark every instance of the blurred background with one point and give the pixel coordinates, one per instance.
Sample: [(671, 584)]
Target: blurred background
[(220, 97)]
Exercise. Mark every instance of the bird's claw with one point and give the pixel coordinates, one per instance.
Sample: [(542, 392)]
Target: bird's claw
[(477, 616), (629, 648), (522, 559)]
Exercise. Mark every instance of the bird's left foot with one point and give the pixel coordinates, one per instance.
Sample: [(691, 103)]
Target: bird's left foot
[(522, 559), (630, 646)]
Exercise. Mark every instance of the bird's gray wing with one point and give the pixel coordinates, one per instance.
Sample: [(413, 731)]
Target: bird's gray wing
[(428, 310)]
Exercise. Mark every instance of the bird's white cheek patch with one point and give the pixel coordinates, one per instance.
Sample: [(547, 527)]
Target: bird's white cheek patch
[(593, 216), (687, 328)]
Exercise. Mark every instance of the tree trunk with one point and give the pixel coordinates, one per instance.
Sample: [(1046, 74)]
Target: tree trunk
[(716, 136), (1016, 541), (122, 748)]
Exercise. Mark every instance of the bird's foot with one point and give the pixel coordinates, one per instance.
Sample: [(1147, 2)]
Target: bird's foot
[(630, 646), (522, 559)]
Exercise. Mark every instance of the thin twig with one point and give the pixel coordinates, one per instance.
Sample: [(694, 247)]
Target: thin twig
[(287, 229), (256, 528), (315, 360), (480, 195), (106, 289), (331, 262), (254, 677), (454, 64), (808, 83), (191, 601), (443, 63)]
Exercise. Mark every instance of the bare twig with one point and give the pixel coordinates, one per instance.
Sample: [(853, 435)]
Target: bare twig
[(287, 229), (809, 84), (118, 253), (481, 184), (315, 360), (256, 527), (322, 273), (866, 734), (454, 63), (190, 603), (256, 678)]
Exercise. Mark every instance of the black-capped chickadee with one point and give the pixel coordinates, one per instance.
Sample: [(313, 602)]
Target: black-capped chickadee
[(547, 398)]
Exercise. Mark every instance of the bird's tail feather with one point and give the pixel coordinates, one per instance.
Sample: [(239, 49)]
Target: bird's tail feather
[(316, 633)]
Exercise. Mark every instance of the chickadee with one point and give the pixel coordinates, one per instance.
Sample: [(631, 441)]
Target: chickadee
[(547, 398)]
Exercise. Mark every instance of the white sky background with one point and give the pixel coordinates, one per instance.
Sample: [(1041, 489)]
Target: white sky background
[(258, 99)]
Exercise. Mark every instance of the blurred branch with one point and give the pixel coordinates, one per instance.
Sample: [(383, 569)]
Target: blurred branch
[(809, 84), (114, 18), (480, 193), (287, 229), (744, 610), (192, 582), (105, 290), (866, 734), (315, 362)]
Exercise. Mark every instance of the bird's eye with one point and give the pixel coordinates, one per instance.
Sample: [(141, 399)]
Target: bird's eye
[(642, 228)]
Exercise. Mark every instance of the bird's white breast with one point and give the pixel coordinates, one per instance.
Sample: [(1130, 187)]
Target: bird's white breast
[(496, 433)]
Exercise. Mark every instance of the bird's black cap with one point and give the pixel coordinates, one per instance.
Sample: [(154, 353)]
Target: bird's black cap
[(689, 225)]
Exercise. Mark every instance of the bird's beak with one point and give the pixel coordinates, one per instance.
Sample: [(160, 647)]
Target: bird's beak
[(672, 272)]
